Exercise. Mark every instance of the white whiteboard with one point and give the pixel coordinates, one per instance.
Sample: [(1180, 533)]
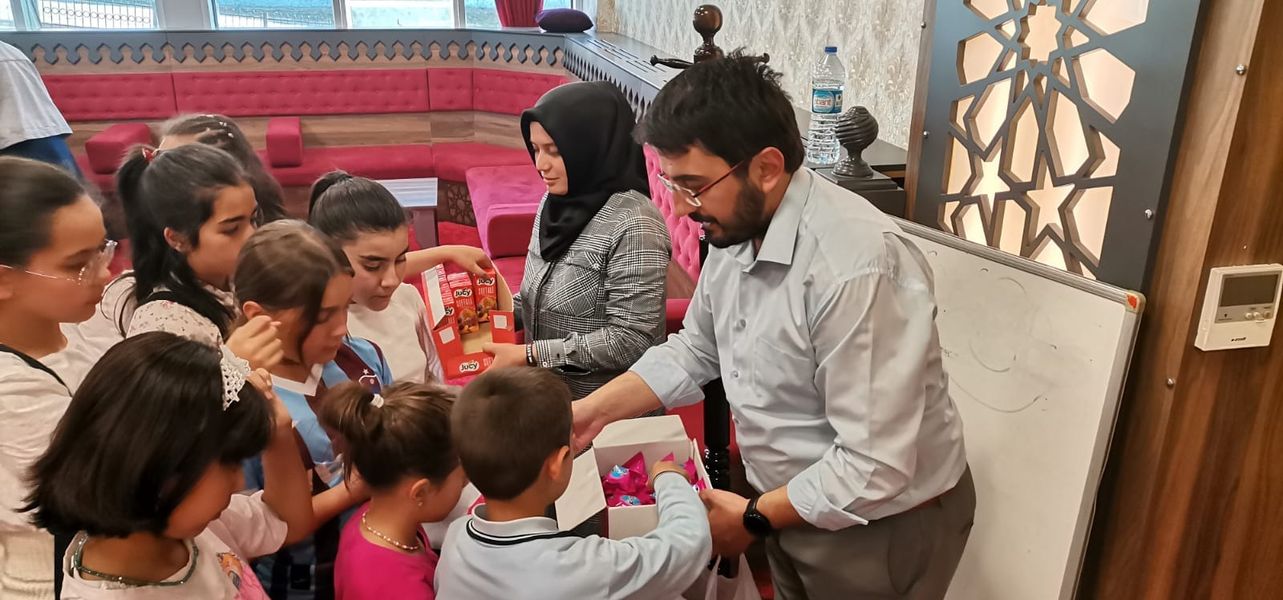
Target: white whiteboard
[(1036, 359)]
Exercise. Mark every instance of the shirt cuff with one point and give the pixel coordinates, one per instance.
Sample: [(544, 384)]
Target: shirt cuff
[(666, 379), (551, 353), (806, 494)]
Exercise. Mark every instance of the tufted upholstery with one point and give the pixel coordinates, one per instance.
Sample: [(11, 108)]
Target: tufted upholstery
[(110, 97), (337, 92), (454, 160), (450, 89), (684, 232), (510, 92), (376, 162), (106, 149)]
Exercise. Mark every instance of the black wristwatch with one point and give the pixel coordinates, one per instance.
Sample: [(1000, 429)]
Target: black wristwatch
[(755, 522)]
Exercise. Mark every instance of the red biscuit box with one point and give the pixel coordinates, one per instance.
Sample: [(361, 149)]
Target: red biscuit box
[(487, 294), (461, 353), (465, 302)]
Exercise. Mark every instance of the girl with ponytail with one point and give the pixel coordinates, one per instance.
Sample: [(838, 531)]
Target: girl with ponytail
[(399, 441), (223, 133), (189, 211)]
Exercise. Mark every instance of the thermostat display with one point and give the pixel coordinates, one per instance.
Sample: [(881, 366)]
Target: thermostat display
[(1240, 307)]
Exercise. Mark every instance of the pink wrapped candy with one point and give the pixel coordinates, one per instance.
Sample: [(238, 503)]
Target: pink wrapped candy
[(628, 479)]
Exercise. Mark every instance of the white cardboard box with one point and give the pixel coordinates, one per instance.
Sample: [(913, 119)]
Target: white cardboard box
[(655, 438)]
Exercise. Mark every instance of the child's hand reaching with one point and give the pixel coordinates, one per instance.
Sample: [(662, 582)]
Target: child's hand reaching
[(262, 381), (468, 258), (664, 466)]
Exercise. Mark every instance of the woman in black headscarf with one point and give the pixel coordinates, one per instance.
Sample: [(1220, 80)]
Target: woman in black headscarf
[(593, 295)]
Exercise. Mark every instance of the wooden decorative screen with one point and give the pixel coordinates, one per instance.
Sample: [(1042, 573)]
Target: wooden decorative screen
[(1049, 126)]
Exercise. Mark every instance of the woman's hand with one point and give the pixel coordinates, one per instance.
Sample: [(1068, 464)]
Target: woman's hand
[(506, 355), (257, 342)]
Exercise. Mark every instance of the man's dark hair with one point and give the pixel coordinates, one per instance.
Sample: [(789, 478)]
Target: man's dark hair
[(506, 424), (732, 107)]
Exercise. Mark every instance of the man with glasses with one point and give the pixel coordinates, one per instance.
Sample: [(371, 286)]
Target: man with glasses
[(819, 316)]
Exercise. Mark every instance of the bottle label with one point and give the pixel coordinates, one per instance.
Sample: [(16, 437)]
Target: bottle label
[(826, 102)]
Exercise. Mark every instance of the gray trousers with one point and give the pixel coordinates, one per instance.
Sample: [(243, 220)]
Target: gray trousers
[(911, 555)]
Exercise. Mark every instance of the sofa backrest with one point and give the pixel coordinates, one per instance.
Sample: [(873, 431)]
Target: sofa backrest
[(683, 232), (124, 96), (294, 93), (129, 96)]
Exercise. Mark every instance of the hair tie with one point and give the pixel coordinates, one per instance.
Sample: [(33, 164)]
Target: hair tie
[(376, 401), (149, 154), (235, 372)]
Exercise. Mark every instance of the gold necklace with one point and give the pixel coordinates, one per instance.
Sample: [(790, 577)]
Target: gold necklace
[(383, 536)]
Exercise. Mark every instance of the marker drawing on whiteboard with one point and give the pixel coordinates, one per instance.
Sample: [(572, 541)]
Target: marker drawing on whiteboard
[(953, 383)]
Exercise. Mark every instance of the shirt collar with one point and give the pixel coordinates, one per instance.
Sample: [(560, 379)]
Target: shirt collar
[(508, 531), (781, 234), (306, 388)]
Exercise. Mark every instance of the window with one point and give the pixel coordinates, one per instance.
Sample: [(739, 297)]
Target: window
[(556, 4), (400, 13), (95, 14), (274, 14), (6, 16), (480, 13)]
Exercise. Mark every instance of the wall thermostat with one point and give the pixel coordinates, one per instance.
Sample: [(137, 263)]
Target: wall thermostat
[(1240, 307)]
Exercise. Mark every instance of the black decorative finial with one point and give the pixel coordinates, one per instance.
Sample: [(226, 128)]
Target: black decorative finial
[(856, 130)]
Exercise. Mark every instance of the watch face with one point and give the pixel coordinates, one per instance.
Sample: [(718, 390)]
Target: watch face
[(756, 523)]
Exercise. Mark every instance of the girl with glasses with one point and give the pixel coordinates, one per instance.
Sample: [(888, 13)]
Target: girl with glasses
[(53, 266)]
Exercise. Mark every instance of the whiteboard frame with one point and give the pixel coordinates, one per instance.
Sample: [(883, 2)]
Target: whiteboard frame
[(1134, 303)]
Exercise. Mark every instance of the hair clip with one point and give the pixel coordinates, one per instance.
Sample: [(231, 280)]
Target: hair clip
[(149, 154), (376, 401), (235, 372)]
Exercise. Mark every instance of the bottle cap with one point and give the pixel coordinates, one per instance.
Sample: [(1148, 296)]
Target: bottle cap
[(830, 49)]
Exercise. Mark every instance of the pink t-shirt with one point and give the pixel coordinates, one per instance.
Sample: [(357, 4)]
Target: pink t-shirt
[(367, 570)]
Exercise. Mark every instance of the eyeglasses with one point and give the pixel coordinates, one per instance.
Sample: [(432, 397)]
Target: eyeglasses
[(692, 197), (88, 273)]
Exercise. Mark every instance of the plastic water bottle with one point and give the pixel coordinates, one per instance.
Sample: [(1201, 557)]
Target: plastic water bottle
[(828, 81)]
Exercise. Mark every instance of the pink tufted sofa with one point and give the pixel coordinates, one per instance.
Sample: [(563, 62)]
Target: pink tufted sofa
[(286, 96)]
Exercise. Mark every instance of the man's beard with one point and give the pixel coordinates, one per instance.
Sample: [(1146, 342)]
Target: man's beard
[(747, 221)]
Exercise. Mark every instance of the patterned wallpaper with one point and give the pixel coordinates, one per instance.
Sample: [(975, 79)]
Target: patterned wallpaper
[(876, 39)]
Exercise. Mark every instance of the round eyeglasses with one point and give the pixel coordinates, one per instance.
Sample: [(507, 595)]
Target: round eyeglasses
[(88, 273)]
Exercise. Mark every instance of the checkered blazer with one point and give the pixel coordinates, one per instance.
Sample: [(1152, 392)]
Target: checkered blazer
[(592, 313)]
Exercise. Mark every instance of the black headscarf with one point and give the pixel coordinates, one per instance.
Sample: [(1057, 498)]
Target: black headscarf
[(592, 125)]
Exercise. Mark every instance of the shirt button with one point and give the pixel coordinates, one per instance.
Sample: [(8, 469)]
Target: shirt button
[(735, 374), (741, 323)]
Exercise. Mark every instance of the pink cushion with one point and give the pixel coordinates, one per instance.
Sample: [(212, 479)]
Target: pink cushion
[(103, 181), (328, 92), (376, 162), (510, 92), (494, 186), (513, 269), (285, 142), (454, 160), (450, 89), (684, 232), (106, 149), (506, 229), (106, 97)]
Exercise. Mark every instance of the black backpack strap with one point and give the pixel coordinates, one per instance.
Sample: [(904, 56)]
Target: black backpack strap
[(35, 364)]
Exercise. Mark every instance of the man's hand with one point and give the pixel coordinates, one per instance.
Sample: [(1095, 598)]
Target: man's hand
[(589, 421), (506, 355), (726, 520), (257, 342)]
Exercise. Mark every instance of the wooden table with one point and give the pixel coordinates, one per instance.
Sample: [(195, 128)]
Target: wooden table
[(419, 198)]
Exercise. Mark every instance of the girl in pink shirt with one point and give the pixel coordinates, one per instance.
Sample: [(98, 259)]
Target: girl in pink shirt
[(399, 442)]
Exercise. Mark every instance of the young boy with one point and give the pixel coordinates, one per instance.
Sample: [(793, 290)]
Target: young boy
[(512, 429)]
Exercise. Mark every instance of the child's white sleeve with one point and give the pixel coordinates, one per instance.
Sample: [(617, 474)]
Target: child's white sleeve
[(250, 527), (666, 561)]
